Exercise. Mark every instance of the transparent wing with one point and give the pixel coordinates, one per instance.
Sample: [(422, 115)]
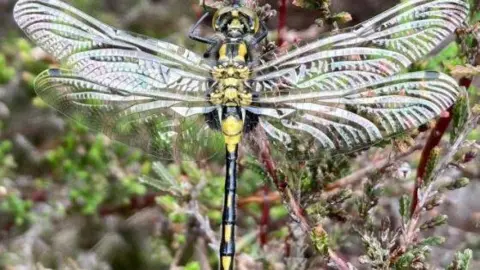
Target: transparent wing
[(375, 49), (141, 91), (346, 120), (169, 128), (62, 31), (128, 70)]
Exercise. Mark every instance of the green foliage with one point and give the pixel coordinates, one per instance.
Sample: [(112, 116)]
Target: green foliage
[(432, 241), (404, 209), (332, 168), (7, 161), (20, 209), (475, 16), (416, 256), (461, 260), (449, 57), (370, 197), (432, 161), (461, 113), (456, 184), (163, 180), (434, 222), (320, 240), (376, 252), (193, 266), (340, 196), (405, 261), (6, 72), (433, 202), (85, 164)]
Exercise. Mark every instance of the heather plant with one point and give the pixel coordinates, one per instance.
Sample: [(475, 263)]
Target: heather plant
[(73, 199)]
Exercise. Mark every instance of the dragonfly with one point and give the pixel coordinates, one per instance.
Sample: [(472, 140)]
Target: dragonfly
[(339, 93)]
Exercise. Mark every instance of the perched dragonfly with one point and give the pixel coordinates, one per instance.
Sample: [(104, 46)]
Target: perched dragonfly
[(339, 93)]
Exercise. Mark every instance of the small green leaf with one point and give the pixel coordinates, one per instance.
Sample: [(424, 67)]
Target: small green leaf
[(320, 240), (460, 116), (431, 164), (404, 204), (432, 241), (405, 261), (434, 222), (461, 260), (457, 184)]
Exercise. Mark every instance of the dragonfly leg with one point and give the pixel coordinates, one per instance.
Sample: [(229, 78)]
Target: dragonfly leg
[(192, 35), (262, 35), (213, 48)]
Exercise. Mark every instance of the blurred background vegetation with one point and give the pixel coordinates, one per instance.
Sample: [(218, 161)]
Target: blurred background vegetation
[(72, 199)]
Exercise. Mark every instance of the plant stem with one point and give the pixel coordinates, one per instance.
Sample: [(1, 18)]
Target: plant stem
[(282, 21), (433, 140)]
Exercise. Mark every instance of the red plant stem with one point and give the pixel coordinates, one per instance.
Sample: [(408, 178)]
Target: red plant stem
[(265, 216), (8, 226), (272, 197), (282, 21), (271, 170), (136, 203), (267, 161), (433, 140)]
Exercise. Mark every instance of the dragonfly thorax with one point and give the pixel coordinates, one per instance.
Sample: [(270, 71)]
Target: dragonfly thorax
[(231, 73)]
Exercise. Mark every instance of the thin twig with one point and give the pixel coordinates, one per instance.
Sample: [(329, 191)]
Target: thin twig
[(272, 197), (374, 166), (265, 219)]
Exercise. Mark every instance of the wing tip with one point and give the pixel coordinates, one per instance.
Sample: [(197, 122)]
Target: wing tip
[(16, 11)]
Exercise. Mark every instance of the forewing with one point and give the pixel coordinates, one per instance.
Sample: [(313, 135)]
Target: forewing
[(132, 70), (375, 49), (347, 120), (62, 31), (141, 91), (168, 128)]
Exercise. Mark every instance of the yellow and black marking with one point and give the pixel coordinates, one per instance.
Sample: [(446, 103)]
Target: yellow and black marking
[(236, 51), (232, 129), (231, 93), (231, 73), (239, 16)]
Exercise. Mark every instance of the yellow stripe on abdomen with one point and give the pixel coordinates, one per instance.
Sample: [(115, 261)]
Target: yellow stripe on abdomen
[(227, 262), (232, 128)]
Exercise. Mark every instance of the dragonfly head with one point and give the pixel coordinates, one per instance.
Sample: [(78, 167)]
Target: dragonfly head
[(236, 21)]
